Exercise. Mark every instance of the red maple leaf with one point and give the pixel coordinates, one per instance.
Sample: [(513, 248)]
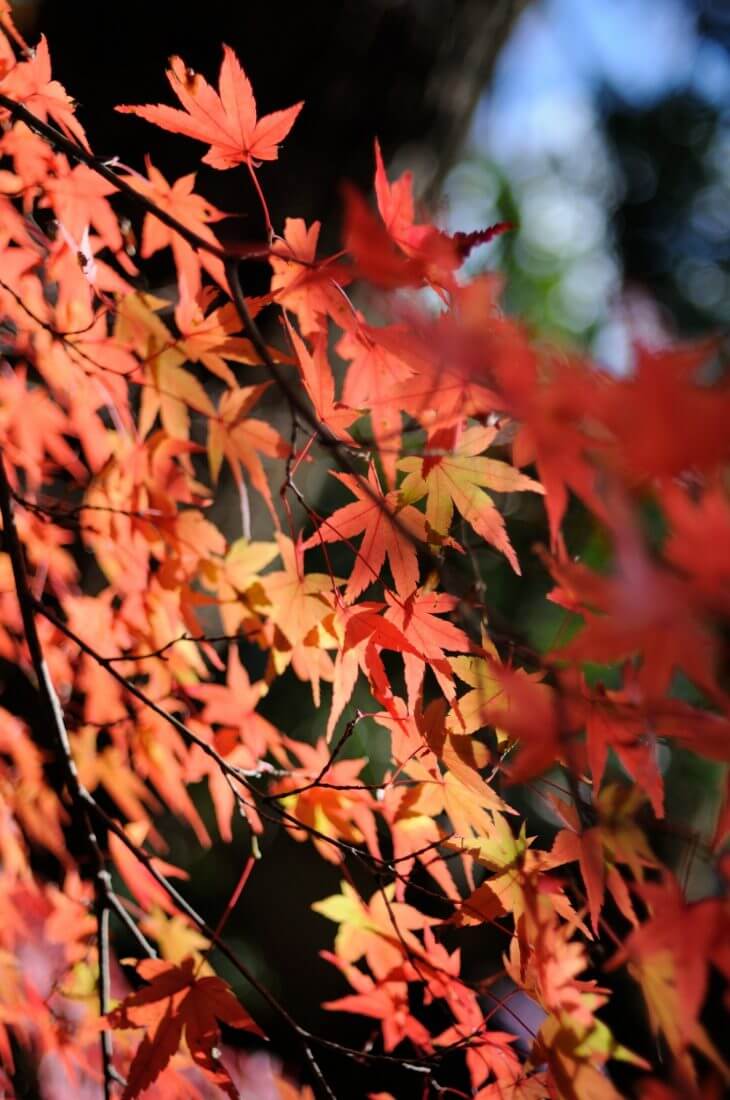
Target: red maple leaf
[(401, 252), (192, 211), (177, 1003), (388, 530)]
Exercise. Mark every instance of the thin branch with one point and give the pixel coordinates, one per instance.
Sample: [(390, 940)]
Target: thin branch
[(317, 781), (128, 685), (71, 149), (61, 753), (210, 933), (128, 922), (102, 923)]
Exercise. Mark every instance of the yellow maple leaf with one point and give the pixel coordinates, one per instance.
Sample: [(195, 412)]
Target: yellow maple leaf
[(451, 476)]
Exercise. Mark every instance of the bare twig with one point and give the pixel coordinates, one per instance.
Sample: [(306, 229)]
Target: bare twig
[(62, 756)]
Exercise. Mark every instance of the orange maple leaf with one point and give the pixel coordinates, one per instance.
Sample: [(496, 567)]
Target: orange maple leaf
[(401, 252), (225, 120), (241, 439), (301, 285), (373, 378), (29, 82), (382, 929), (234, 703), (670, 955), (417, 618), (641, 609), (140, 882), (295, 597), (192, 211), (345, 814), (385, 1000), (319, 383)]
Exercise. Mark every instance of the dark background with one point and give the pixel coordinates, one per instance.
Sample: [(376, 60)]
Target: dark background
[(412, 72), (362, 67)]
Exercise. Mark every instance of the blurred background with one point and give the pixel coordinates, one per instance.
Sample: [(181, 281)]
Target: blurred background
[(605, 130), (602, 129)]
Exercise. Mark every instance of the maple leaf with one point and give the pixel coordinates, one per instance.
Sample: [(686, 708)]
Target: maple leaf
[(617, 720), (551, 402), (615, 838), (33, 160), (296, 598), (396, 208), (390, 529), (178, 1004), (586, 847), (371, 383), (171, 390), (446, 352), (576, 1050), (108, 767), (376, 256), (177, 939), (234, 703), (238, 584), (310, 290), (385, 1000), (640, 610), (518, 885), (640, 413), (435, 248), (382, 929), (549, 964), (467, 796), (79, 197), (417, 619), (345, 814), (451, 475), (488, 1052), (623, 839), (420, 742), (29, 82), (399, 252), (208, 337), (224, 120), (35, 439), (515, 702), (669, 955), (137, 878), (411, 814), (241, 439), (362, 633), (81, 275), (191, 210), (320, 385), (296, 606), (699, 537)]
